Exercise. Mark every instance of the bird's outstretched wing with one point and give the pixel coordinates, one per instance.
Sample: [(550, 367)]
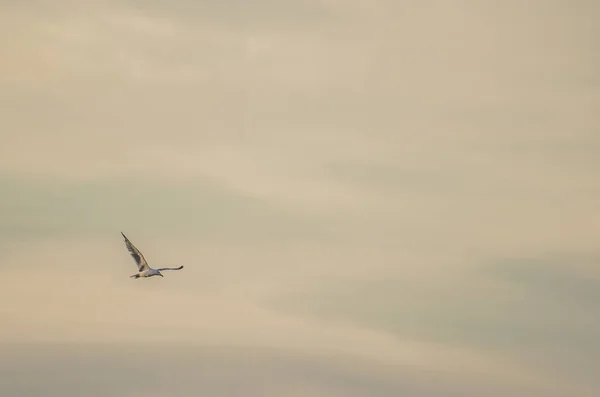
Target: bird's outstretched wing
[(170, 268), (136, 255)]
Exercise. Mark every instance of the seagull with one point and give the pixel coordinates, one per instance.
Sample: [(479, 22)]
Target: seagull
[(143, 268)]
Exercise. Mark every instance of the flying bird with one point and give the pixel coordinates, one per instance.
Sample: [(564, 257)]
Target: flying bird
[(144, 270)]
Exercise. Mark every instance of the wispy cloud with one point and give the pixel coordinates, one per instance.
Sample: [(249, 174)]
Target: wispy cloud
[(343, 181)]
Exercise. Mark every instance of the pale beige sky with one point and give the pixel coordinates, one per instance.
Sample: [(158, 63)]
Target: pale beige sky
[(369, 198)]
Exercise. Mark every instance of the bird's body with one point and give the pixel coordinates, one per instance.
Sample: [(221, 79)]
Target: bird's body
[(144, 270), (147, 273)]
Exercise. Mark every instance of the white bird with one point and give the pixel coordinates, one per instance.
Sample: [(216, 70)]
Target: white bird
[(143, 269)]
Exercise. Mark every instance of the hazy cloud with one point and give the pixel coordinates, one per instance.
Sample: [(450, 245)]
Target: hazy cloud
[(218, 371), (400, 182)]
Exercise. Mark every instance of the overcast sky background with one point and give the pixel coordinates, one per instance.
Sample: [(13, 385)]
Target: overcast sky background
[(370, 198)]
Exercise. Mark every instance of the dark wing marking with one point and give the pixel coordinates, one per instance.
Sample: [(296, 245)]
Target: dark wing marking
[(136, 255)]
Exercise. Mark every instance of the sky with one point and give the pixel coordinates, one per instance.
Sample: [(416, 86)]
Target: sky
[(373, 198)]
